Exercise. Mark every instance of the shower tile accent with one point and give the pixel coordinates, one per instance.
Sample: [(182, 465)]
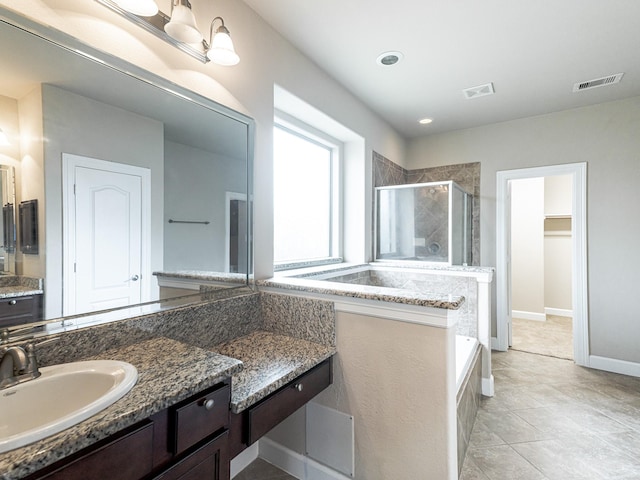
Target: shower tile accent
[(385, 172), (467, 175)]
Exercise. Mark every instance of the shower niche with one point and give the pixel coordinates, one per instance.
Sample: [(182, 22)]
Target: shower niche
[(424, 222)]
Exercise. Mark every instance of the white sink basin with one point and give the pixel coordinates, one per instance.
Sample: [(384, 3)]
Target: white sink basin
[(61, 397)]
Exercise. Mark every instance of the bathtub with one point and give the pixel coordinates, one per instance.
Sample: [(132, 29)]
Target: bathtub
[(465, 355)]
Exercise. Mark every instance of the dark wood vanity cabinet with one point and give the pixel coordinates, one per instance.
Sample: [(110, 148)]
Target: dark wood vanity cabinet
[(192, 440), (20, 310), (188, 441), (248, 426), (124, 456)]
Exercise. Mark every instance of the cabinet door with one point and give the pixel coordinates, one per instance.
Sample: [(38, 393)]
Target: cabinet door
[(125, 456), (209, 461)]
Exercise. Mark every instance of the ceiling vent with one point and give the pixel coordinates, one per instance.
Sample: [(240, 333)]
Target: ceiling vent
[(598, 82), (479, 91)]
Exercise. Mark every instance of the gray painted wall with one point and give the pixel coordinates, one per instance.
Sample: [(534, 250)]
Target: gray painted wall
[(606, 137), (196, 183), (82, 126)]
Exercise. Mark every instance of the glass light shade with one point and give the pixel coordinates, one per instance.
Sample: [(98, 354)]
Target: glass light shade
[(143, 8), (182, 26), (221, 51), (4, 141)]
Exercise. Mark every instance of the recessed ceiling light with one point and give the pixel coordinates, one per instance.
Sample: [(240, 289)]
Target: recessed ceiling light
[(387, 59), (425, 121)]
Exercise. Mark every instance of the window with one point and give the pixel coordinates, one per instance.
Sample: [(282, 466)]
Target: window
[(306, 197)]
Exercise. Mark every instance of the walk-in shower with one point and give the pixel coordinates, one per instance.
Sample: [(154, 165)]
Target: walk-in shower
[(429, 222)]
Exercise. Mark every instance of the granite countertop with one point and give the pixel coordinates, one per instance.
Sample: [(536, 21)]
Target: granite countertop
[(202, 275), (269, 361), (367, 292), (168, 372), (13, 291), (259, 363)]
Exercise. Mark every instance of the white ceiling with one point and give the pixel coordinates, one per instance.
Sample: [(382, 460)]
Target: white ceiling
[(532, 51)]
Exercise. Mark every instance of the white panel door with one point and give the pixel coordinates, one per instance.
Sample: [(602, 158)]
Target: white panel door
[(105, 253)]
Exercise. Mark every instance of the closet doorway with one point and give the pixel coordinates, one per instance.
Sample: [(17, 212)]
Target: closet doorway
[(541, 309), (541, 261)]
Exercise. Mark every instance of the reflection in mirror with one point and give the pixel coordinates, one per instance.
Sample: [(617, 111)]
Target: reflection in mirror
[(141, 186), (8, 225)]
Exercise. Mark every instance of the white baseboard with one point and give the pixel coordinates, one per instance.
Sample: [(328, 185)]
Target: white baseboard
[(558, 312), (242, 460), (488, 389), (538, 317), (613, 365), (494, 343), (295, 464)]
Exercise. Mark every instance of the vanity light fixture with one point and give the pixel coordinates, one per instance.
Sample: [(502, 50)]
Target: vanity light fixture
[(4, 141), (144, 8), (179, 29)]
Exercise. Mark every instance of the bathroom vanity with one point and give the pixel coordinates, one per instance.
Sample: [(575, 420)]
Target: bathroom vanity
[(212, 379)]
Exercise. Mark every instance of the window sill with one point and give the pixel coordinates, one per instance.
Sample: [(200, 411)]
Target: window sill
[(280, 267)]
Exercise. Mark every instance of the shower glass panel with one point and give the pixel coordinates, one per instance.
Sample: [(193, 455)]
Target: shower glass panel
[(428, 222)]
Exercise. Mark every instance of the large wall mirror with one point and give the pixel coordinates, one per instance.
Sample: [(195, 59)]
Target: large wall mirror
[(138, 190)]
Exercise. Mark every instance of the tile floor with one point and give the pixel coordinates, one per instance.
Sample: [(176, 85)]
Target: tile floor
[(261, 470), (552, 337), (549, 420)]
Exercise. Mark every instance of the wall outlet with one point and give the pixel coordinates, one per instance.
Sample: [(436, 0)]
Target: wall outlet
[(419, 242)]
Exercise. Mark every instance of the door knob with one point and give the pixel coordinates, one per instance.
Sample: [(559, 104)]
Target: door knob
[(135, 278)]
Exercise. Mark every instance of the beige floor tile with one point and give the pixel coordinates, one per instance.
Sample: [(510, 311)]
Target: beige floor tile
[(570, 419), (470, 471), (482, 436), (261, 470), (553, 337), (559, 420), (503, 462), (554, 460), (510, 427)]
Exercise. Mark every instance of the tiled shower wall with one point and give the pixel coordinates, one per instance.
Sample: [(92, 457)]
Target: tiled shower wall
[(467, 175)]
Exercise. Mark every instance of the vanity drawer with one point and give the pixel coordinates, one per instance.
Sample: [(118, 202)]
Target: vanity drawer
[(268, 413), (19, 310), (199, 417)]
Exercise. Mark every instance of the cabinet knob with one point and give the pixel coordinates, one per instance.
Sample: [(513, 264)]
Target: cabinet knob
[(208, 404), (298, 387), (12, 302)]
